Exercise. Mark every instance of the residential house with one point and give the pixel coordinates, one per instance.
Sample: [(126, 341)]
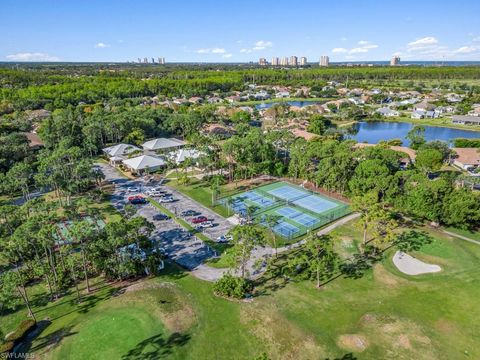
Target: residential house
[(467, 158), (262, 95), (282, 94), (34, 141), (475, 111), (424, 106), (356, 100), (144, 164), (385, 111), (214, 100), (466, 120), (454, 98), (303, 134), (233, 98), (195, 100)]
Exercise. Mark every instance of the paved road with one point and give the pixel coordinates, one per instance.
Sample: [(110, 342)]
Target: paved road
[(222, 225), (180, 246)]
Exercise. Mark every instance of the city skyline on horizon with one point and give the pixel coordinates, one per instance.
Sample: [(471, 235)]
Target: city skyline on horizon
[(212, 32)]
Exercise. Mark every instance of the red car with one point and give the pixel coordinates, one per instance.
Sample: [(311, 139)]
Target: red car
[(199, 219), (136, 199)]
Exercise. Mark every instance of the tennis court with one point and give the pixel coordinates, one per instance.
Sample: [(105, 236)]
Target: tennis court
[(295, 211)]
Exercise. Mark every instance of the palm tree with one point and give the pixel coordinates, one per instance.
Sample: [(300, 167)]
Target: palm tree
[(272, 220)]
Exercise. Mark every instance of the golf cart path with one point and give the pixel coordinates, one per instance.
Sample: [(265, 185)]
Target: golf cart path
[(409, 265), (209, 273), (461, 237)]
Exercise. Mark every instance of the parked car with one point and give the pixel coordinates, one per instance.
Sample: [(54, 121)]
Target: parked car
[(137, 199), (224, 239), (160, 217), (133, 189), (189, 213), (153, 193), (166, 199), (207, 224), (199, 219)]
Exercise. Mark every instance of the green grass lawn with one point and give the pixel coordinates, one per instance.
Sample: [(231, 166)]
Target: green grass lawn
[(199, 191), (474, 235), (383, 315)]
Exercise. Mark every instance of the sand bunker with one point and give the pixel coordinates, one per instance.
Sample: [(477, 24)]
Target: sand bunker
[(409, 265)]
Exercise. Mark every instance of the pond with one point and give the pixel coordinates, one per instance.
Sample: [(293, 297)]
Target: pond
[(374, 132), (291, 103)]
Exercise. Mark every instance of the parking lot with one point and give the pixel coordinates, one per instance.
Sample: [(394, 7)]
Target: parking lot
[(180, 246)]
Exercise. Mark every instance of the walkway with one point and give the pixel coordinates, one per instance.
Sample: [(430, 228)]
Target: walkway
[(461, 237)]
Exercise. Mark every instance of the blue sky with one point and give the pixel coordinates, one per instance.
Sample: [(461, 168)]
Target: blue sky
[(235, 30)]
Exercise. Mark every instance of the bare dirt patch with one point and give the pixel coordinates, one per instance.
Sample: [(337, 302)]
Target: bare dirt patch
[(283, 339), (384, 277), (445, 326), (352, 342)]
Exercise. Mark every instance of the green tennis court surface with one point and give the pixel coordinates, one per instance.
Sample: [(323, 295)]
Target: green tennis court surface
[(296, 210)]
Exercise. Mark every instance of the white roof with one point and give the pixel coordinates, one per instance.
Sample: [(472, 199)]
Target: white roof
[(182, 154), (162, 143), (120, 149), (144, 162)]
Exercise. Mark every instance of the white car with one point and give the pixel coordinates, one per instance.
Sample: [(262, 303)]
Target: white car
[(224, 238), (132, 189), (206, 224), (153, 193), (165, 200)]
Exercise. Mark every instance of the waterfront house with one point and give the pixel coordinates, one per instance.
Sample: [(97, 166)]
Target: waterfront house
[(466, 120), (387, 112)]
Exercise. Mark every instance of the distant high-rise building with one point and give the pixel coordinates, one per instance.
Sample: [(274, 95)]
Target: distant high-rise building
[(324, 60), (145, 60), (161, 60), (262, 61), (139, 60), (284, 61), (303, 61), (293, 61), (275, 61), (395, 60), (153, 60)]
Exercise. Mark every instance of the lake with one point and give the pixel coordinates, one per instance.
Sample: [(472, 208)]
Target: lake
[(291, 103), (374, 132)]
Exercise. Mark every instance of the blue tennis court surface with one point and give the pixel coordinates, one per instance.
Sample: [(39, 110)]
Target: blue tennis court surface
[(296, 209), (286, 192), (315, 203)]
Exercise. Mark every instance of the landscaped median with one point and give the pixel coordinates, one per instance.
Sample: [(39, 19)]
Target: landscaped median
[(186, 225)]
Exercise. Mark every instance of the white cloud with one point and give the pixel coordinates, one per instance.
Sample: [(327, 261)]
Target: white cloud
[(476, 38), (364, 47), (218, 51), (202, 51), (466, 50), (101, 45), (259, 45), (343, 38), (429, 40), (31, 57), (358, 50), (227, 56)]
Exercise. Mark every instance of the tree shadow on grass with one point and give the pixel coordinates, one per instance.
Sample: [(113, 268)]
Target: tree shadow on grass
[(34, 342), (348, 356), (157, 347)]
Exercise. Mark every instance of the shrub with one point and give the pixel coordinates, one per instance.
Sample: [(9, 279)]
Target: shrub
[(6, 347), (23, 329), (232, 286)]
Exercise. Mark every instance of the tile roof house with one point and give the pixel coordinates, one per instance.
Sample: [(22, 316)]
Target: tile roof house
[(467, 158)]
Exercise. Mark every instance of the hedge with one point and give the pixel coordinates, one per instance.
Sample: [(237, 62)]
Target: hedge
[(232, 287)]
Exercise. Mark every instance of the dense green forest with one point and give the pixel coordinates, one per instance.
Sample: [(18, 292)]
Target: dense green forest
[(52, 88)]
